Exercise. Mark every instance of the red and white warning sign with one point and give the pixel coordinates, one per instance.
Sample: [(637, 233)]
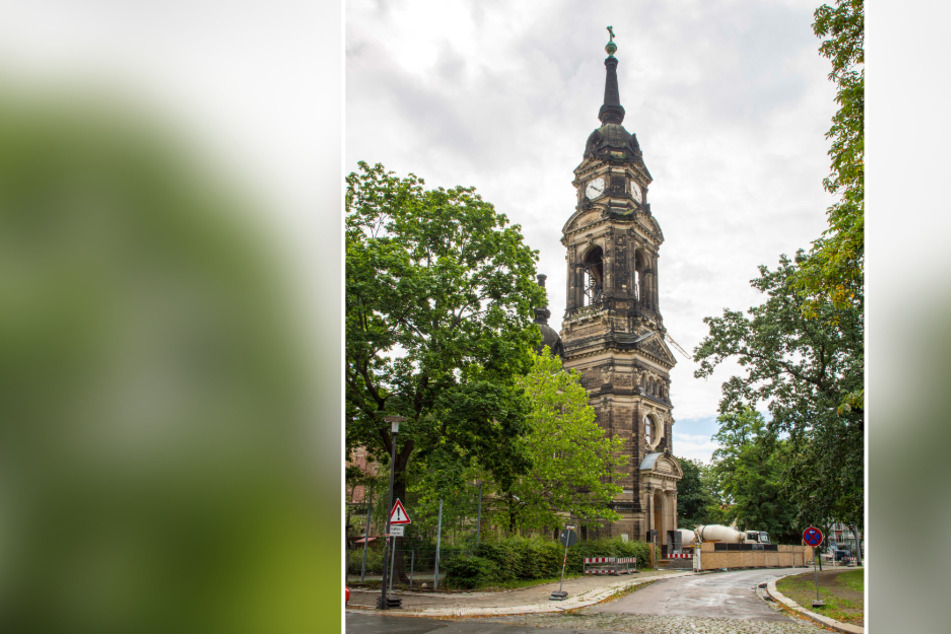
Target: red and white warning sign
[(398, 515)]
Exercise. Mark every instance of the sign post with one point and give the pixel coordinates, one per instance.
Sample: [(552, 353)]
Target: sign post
[(813, 537), (568, 537)]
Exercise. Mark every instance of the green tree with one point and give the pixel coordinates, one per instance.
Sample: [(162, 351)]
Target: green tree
[(802, 369), (836, 270), (750, 467), (575, 465), (695, 496), (440, 293)]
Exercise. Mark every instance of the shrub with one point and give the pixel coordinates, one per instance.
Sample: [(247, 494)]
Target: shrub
[(540, 558), (505, 553), (470, 571), (374, 561)]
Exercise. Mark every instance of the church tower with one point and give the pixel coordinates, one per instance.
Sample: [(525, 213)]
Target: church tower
[(613, 332)]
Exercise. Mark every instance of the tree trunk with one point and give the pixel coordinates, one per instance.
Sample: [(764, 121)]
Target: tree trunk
[(858, 545)]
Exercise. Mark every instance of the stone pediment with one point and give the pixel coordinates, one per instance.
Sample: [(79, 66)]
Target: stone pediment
[(649, 224), (582, 219), (662, 464), (653, 344)]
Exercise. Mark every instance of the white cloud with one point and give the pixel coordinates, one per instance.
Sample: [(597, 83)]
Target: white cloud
[(694, 447)]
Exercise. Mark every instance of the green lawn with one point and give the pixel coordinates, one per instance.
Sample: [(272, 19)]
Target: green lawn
[(843, 592)]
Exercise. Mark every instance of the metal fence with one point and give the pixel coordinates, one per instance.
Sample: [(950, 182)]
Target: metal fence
[(439, 531)]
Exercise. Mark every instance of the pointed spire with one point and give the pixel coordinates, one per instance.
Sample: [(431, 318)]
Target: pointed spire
[(612, 111)]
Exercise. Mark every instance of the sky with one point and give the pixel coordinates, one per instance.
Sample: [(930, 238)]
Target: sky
[(729, 100)]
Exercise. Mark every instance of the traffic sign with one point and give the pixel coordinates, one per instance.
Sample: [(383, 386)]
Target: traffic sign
[(568, 537), (812, 536), (399, 515), (396, 530)]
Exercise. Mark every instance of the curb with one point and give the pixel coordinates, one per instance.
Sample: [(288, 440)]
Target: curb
[(818, 618)]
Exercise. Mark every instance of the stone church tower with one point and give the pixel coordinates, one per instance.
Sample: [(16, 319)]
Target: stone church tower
[(613, 332)]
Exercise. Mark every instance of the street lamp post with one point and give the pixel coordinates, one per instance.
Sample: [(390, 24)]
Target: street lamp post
[(394, 428)]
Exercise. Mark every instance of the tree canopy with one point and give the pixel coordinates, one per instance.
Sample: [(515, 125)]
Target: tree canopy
[(836, 270), (750, 468), (697, 496), (802, 350), (801, 369), (440, 291), (575, 465)]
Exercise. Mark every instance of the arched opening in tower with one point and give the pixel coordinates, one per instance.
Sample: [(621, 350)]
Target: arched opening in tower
[(593, 276), (641, 268)]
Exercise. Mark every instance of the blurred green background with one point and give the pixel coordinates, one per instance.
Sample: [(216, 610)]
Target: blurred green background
[(169, 413)]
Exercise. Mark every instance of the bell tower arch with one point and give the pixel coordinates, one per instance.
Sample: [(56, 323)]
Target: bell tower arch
[(613, 331)]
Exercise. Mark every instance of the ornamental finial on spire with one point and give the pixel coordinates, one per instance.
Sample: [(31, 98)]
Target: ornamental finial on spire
[(611, 111)]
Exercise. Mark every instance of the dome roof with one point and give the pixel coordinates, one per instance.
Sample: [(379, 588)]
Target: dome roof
[(551, 339), (612, 137), (615, 135)]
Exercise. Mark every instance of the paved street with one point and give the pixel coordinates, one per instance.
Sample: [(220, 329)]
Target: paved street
[(717, 603), (729, 595), (713, 603)]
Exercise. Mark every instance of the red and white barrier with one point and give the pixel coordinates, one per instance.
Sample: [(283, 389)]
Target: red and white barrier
[(680, 556), (609, 565)]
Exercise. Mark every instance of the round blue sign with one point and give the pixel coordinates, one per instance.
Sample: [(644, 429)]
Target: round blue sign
[(812, 536)]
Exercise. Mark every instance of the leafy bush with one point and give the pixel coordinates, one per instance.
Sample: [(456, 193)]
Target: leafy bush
[(469, 571), (540, 558), (374, 561), (512, 558), (505, 553)]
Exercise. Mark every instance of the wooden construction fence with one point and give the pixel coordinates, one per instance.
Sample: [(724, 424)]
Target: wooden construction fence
[(782, 557)]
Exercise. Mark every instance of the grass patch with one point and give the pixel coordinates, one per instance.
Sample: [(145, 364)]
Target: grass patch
[(853, 579), (841, 591)]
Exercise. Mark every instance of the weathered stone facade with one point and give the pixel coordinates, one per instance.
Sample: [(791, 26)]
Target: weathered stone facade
[(613, 331)]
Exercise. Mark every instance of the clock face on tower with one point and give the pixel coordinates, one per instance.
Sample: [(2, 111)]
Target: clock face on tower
[(595, 188), (637, 192)]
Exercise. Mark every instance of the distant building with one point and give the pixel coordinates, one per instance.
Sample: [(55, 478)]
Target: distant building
[(359, 458), (842, 537)]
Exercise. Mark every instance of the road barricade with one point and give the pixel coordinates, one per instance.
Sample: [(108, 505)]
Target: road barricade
[(610, 565)]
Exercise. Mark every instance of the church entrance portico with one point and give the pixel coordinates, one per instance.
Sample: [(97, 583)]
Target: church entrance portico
[(660, 473)]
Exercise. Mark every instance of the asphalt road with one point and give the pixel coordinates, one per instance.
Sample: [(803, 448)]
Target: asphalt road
[(713, 603), (722, 595)]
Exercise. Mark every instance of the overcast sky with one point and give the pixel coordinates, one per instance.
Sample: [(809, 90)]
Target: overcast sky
[(729, 101)]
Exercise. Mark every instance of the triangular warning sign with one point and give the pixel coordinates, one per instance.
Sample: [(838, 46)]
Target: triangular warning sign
[(398, 515)]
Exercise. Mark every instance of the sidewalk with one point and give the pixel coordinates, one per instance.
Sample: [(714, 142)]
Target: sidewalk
[(582, 592)]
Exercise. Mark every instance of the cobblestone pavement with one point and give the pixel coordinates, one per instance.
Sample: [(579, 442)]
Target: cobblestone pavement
[(643, 624)]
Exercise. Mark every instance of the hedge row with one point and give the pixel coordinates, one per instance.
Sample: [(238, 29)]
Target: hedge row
[(533, 558)]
